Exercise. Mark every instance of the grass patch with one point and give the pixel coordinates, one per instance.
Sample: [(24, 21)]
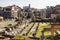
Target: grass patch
[(6, 23), (40, 28)]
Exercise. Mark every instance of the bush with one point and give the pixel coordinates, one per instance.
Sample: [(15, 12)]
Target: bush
[(58, 19)]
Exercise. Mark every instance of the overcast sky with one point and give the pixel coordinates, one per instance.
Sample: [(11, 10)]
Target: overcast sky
[(34, 3)]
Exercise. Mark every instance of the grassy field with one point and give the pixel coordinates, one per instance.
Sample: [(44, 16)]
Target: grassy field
[(41, 26), (32, 31), (27, 28), (6, 23)]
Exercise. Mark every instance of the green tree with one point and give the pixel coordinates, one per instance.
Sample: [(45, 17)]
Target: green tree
[(58, 18)]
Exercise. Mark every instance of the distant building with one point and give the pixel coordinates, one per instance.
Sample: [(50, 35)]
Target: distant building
[(15, 11), (39, 13), (48, 12), (53, 16), (28, 10), (7, 12), (26, 7), (43, 13), (1, 11), (57, 9), (11, 11)]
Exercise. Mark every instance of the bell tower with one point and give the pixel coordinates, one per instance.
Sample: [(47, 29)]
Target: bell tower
[(29, 5)]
